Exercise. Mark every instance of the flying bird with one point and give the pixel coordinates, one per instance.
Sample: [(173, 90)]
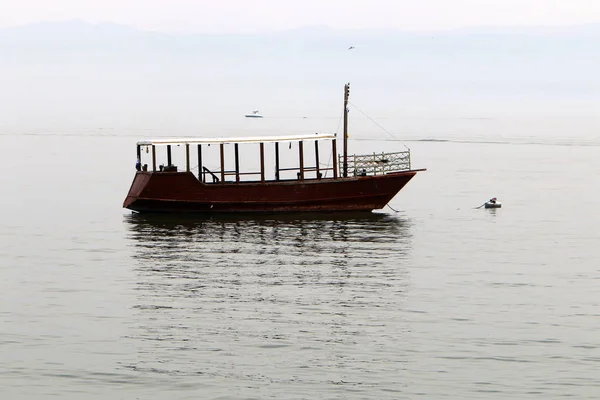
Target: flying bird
[(350, 48)]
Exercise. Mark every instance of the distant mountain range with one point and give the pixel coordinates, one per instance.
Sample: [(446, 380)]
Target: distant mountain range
[(77, 31), (92, 70), (56, 39), (109, 28)]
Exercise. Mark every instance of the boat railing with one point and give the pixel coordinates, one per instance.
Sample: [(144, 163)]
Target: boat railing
[(205, 171), (215, 174), (306, 172), (301, 173), (376, 163)]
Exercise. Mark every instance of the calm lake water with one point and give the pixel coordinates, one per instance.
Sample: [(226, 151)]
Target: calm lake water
[(438, 300)]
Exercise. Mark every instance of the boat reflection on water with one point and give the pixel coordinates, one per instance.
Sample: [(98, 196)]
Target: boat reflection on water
[(291, 245), (214, 294), (159, 236), (182, 253)]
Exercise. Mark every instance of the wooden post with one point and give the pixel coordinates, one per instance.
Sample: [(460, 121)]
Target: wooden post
[(301, 156), (139, 153), (222, 162), (169, 155), (277, 161), (262, 162), (317, 157), (187, 157), (335, 158), (200, 163), (237, 163), (153, 158), (346, 95)]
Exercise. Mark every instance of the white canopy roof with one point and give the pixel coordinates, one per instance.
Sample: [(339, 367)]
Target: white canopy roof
[(258, 139)]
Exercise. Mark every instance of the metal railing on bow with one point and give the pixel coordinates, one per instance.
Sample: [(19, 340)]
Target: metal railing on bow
[(376, 163)]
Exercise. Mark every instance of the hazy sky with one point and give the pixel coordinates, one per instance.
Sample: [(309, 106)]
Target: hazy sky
[(265, 15)]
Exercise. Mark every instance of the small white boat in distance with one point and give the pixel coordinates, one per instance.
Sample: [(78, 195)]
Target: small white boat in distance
[(254, 114)]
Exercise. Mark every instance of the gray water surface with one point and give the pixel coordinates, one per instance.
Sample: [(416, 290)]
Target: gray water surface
[(439, 300)]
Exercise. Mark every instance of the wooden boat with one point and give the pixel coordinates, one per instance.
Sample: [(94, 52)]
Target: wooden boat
[(350, 183)]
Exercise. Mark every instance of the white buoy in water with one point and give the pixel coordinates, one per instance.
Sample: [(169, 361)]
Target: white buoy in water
[(493, 203)]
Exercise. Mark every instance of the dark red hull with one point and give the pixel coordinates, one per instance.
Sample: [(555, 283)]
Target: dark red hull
[(183, 192)]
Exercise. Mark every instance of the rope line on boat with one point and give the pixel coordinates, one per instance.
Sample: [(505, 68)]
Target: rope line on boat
[(327, 169), (339, 123), (379, 125), (330, 155), (391, 208)]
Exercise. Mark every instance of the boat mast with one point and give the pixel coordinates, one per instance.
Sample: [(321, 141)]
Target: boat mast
[(346, 95)]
